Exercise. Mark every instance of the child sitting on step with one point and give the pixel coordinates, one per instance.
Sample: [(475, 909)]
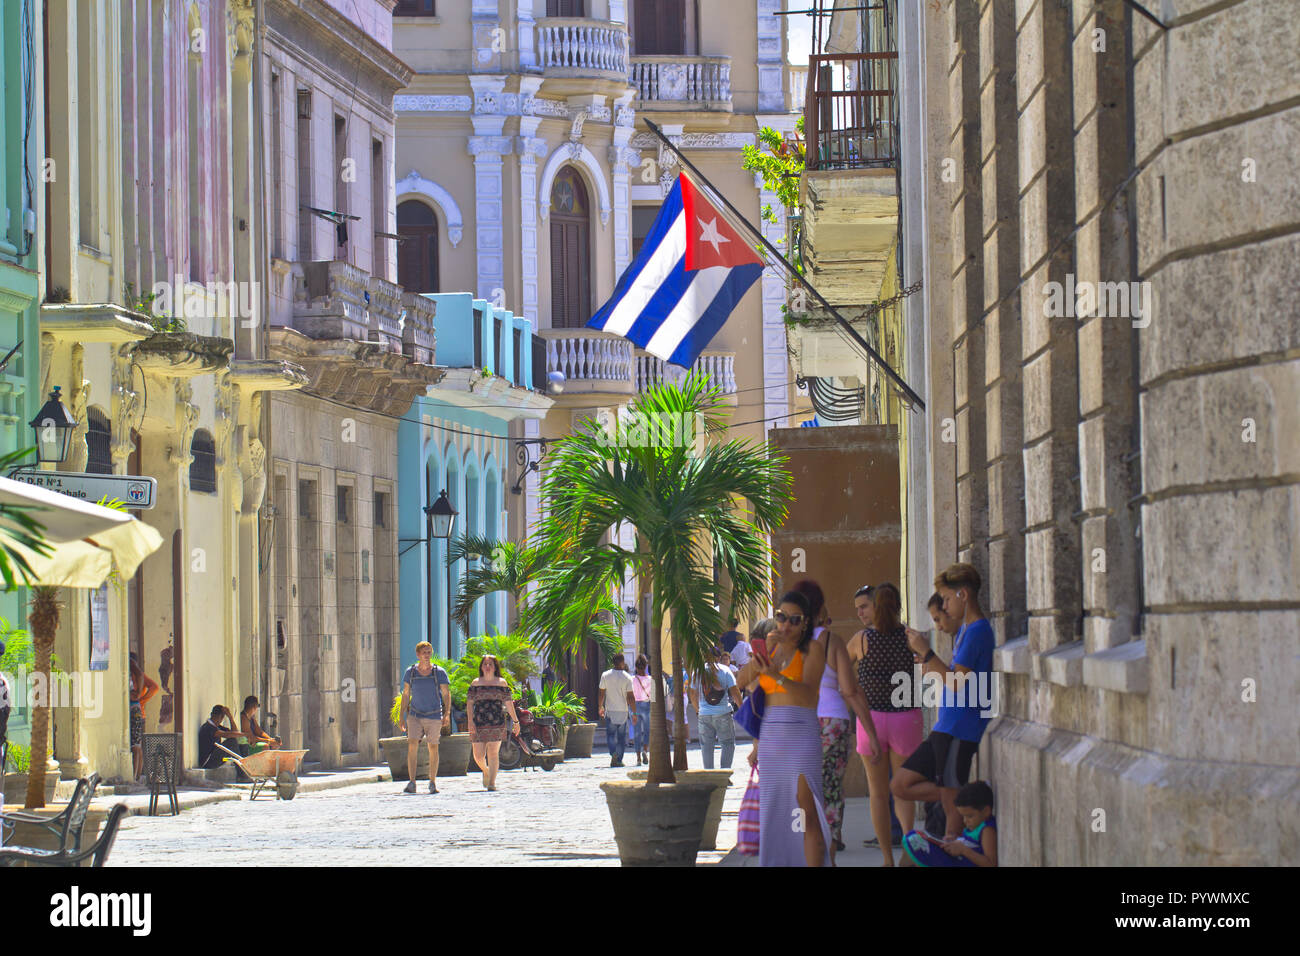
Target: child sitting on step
[(978, 843)]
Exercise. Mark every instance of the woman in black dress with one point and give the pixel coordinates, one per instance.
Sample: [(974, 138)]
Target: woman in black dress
[(488, 700)]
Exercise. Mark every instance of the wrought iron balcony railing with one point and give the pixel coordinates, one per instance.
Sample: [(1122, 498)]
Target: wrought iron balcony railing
[(851, 110)]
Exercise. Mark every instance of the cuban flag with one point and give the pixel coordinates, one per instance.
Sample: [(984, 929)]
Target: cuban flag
[(688, 277)]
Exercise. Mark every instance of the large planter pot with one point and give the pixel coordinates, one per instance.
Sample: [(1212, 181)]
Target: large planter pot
[(454, 755), (580, 739), (15, 790), (562, 740), (718, 781), (657, 826)]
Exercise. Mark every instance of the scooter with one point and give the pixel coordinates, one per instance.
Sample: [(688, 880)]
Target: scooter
[(533, 745)]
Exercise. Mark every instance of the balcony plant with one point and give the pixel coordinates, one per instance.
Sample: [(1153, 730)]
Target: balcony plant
[(682, 504)]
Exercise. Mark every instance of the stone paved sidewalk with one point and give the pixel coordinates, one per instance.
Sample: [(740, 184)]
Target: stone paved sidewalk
[(350, 818)]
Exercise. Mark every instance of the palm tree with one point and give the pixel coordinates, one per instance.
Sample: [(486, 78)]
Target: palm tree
[(682, 504), (511, 567), (506, 567), (44, 623)]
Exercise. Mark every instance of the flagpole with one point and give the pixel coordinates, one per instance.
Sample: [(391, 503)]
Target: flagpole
[(791, 270)]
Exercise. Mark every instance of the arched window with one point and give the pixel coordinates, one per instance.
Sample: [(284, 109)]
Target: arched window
[(99, 440), (417, 253), (203, 469), (570, 251)]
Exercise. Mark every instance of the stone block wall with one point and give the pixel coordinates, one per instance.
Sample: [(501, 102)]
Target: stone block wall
[(1127, 477)]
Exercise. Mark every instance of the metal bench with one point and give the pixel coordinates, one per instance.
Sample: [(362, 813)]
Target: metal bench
[(67, 825), (97, 852)]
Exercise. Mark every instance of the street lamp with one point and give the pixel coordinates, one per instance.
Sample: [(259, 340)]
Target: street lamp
[(53, 426), (441, 519), (631, 613)]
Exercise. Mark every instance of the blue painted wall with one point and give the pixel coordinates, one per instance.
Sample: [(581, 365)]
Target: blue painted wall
[(431, 459)]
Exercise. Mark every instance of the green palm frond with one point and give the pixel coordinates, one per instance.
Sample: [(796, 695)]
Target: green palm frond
[(682, 507)]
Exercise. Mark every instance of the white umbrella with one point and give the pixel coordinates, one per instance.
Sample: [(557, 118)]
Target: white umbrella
[(88, 541)]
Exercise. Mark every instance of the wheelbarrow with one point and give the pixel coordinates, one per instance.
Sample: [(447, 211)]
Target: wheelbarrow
[(278, 767)]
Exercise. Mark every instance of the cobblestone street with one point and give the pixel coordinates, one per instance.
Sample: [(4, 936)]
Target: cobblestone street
[(535, 818)]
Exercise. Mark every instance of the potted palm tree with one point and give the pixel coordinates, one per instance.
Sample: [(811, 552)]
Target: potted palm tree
[(683, 503), (566, 707)]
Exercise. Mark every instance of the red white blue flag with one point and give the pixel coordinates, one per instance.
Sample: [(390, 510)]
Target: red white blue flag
[(688, 277)]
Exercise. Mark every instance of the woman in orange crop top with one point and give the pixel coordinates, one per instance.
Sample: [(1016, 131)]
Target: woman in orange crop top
[(789, 741)]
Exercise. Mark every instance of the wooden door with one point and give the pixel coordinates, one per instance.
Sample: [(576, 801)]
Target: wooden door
[(417, 253), (659, 27), (570, 252)]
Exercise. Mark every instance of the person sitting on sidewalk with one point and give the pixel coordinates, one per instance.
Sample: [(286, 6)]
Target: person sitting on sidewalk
[(978, 843), (212, 731), (258, 739)]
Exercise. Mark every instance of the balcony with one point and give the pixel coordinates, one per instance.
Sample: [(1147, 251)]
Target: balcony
[(488, 357), (848, 195), (362, 340), (718, 365), (596, 365), (851, 109), (666, 83), (580, 48)]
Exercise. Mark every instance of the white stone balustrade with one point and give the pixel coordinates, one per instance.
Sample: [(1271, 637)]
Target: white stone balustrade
[(581, 45), (719, 366), (694, 82), (589, 355)]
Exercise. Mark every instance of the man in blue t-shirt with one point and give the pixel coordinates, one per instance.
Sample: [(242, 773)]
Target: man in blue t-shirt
[(941, 765), (716, 726), (426, 707)]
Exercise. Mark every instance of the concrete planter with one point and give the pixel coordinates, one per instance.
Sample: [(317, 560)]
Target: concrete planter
[(719, 781), (657, 826), (15, 790), (580, 740), (454, 756), (562, 741)]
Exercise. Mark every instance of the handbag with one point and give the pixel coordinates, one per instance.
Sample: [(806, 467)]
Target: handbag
[(750, 715), (747, 828), (714, 692)]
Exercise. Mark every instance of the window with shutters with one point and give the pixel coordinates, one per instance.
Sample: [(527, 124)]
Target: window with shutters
[(99, 440), (659, 27), (203, 469), (570, 251), (566, 8), (417, 253)]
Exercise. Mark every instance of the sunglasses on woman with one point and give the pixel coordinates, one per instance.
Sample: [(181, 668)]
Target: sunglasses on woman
[(782, 618)]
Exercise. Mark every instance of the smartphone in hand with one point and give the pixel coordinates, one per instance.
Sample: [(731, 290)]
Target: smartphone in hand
[(759, 646)]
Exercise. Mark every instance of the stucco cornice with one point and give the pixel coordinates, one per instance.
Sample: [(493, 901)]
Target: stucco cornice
[(362, 375), (183, 355), (93, 323), (342, 46)]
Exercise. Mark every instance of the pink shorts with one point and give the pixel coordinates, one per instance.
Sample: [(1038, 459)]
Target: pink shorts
[(899, 731)]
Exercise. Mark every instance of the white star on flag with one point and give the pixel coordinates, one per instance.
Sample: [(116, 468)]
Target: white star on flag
[(710, 233)]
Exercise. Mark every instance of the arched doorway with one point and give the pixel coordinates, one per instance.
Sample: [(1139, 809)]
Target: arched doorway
[(417, 252), (570, 251)]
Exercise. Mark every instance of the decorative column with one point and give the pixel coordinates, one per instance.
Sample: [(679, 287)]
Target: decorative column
[(485, 23), (488, 146), (771, 65), (531, 147), (622, 160)]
